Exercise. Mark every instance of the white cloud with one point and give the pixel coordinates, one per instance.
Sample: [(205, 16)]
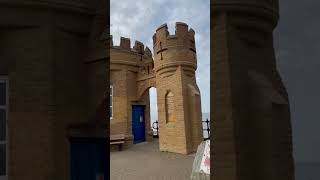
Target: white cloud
[(129, 19)]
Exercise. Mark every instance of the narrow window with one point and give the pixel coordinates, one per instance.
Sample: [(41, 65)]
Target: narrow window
[(170, 109), (111, 101), (161, 50)]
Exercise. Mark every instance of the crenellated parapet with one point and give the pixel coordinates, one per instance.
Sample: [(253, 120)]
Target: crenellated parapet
[(138, 47), (174, 50), (183, 37)]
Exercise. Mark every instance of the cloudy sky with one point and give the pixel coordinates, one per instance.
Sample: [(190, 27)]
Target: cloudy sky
[(139, 19), (297, 44)]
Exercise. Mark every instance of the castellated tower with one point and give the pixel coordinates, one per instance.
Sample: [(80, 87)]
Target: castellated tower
[(133, 71), (131, 76), (179, 104)]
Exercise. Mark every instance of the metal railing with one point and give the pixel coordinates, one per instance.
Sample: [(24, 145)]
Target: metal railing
[(207, 129), (155, 127)]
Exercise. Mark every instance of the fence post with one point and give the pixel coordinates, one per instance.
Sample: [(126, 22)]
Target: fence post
[(207, 129), (156, 128)]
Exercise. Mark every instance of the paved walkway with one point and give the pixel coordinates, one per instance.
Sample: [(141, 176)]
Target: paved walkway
[(146, 162)]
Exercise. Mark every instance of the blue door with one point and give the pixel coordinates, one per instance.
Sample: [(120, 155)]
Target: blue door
[(138, 124), (89, 159)]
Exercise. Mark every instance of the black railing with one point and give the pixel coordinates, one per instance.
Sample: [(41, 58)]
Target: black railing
[(155, 126), (207, 129)]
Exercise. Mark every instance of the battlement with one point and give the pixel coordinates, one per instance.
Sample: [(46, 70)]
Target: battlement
[(125, 44), (183, 37)]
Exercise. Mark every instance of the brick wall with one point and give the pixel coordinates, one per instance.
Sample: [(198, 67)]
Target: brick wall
[(251, 117), (48, 88)]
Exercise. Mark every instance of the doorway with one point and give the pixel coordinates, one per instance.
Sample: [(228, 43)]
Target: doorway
[(138, 123), (89, 159)]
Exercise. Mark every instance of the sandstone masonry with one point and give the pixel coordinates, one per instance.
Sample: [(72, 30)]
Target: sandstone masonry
[(252, 136), (55, 61), (172, 72)]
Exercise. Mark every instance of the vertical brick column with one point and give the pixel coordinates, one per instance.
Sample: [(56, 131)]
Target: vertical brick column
[(251, 117), (179, 104)]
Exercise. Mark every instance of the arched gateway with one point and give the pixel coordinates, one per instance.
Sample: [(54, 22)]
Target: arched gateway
[(172, 72)]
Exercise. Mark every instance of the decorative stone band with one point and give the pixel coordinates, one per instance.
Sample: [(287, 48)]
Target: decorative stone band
[(129, 63), (179, 63)]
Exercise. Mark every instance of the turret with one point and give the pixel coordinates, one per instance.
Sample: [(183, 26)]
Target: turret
[(175, 63), (174, 50), (124, 53), (137, 49)]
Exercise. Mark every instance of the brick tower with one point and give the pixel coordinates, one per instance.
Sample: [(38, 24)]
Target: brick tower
[(47, 64), (179, 105), (251, 116)]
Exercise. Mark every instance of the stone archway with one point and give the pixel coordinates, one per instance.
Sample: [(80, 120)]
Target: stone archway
[(144, 84), (178, 108)]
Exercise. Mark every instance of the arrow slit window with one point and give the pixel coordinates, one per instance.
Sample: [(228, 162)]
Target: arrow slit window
[(170, 107)]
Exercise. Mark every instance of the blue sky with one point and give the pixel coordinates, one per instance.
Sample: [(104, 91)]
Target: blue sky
[(139, 19)]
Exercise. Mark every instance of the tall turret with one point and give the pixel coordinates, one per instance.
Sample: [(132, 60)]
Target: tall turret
[(179, 105), (175, 50), (250, 108)]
